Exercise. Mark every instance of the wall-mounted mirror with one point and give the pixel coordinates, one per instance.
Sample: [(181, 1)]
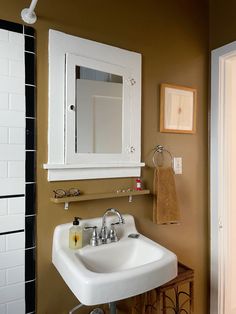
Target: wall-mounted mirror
[(98, 112), (94, 110)]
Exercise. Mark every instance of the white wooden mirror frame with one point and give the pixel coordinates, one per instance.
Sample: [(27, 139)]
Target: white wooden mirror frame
[(127, 64)]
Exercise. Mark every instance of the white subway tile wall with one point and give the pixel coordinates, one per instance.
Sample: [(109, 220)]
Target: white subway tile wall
[(16, 169), (11, 259), (2, 244), (16, 68), (3, 134), (16, 135), (16, 205), (16, 102), (15, 275), (10, 118), (16, 307), (3, 308), (3, 168), (11, 293), (4, 100), (2, 278), (10, 223), (3, 207), (12, 273), (4, 36), (17, 159), (12, 84), (9, 186), (4, 66), (15, 241), (12, 173), (12, 151), (11, 49)]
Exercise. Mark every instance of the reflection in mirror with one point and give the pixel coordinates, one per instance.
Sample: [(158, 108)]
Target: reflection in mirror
[(98, 112)]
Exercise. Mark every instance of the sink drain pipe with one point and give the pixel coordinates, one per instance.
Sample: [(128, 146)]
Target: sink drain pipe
[(112, 307), (94, 311), (76, 308)]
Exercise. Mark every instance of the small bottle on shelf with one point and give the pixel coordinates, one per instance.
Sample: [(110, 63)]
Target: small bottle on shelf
[(138, 186)]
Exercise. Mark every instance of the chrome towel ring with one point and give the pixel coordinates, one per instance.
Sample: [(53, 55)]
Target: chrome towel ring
[(158, 152)]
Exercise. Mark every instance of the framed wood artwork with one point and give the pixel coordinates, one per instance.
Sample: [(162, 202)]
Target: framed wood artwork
[(178, 109)]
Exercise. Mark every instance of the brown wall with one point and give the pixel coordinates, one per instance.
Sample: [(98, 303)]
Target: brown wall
[(222, 22), (173, 39)]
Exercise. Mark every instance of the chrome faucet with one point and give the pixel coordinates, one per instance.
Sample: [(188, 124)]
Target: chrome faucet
[(106, 235)]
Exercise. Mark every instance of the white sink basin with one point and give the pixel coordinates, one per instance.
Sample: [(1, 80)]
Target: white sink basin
[(114, 271)]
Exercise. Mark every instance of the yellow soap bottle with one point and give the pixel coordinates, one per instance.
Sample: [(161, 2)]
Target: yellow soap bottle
[(75, 235)]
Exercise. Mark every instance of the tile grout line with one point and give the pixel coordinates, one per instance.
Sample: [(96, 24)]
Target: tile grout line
[(12, 196), (11, 232)]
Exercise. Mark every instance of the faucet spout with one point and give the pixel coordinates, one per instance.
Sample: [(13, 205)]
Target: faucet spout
[(104, 230), (113, 211)]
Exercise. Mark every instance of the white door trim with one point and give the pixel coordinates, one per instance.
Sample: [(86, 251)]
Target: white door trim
[(220, 194)]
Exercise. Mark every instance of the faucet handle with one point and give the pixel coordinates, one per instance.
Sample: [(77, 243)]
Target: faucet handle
[(112, 233), (95, 239)]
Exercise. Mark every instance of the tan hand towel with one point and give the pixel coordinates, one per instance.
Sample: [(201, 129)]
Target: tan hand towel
[(165, 205)]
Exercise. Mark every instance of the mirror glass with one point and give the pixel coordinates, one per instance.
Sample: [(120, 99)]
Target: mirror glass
[(98, 118)]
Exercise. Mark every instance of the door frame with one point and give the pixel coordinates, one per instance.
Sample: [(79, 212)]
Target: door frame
[(220, 194)]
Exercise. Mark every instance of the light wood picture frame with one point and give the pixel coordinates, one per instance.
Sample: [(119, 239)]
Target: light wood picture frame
[(178, 109)]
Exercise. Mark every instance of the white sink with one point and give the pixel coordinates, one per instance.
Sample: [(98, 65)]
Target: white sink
[(114, 271)]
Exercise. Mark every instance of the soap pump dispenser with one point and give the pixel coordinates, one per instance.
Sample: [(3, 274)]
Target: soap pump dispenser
[(75, 235)]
